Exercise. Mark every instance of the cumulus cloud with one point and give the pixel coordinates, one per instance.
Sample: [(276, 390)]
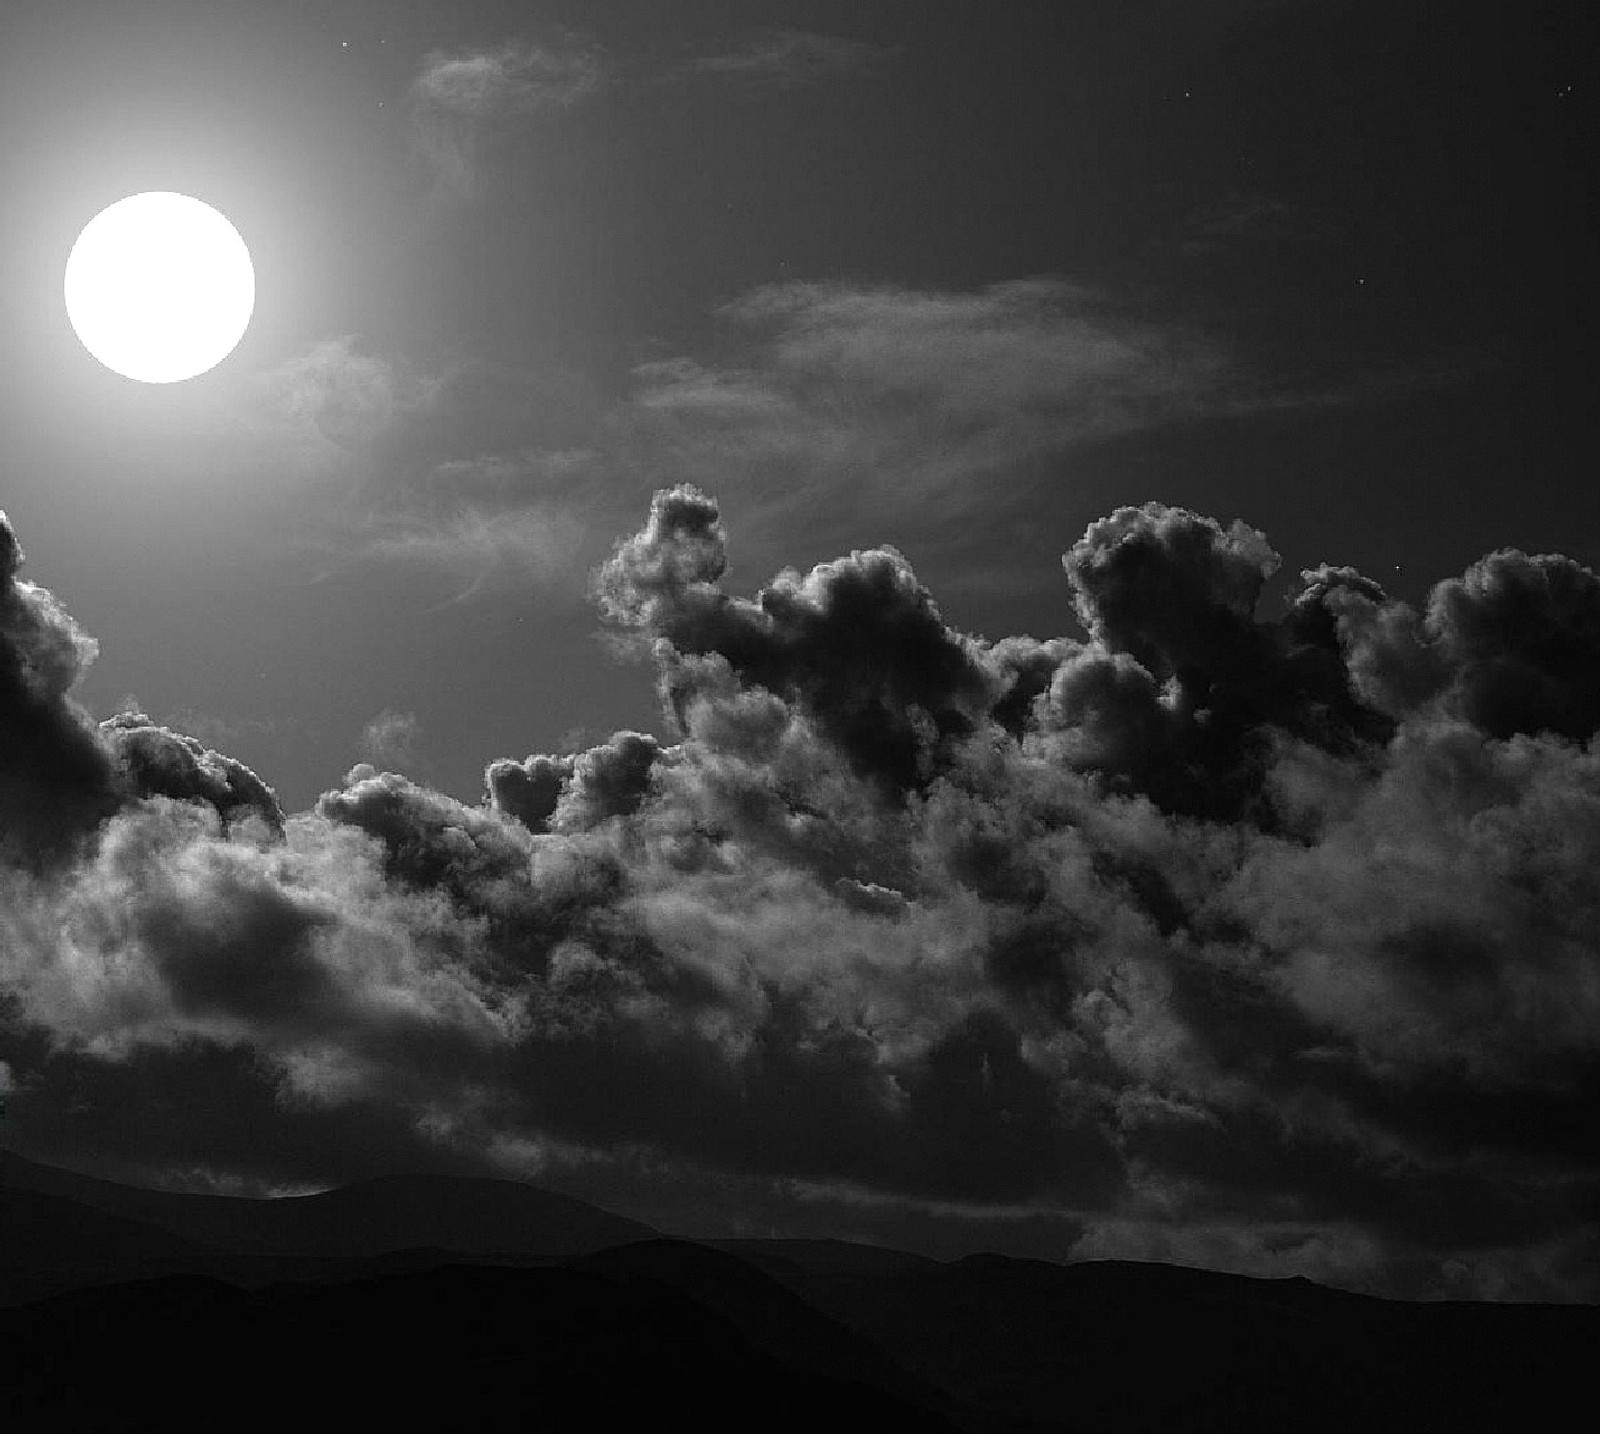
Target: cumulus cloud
[(857, 645), (158, 761), (56, 778), (1513, 645), (1255, 939), (575, 792)]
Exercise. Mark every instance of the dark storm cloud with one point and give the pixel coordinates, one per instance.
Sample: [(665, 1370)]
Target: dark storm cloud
[(574, 793), (160, 762), (1513, 645), (857, 644), (1260, 940), (56, 777), (61, 775), (528, 790), (1183, 694), (610, 780)]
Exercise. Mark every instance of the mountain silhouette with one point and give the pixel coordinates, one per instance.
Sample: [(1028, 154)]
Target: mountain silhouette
[(1122, 1346), (480, 1302), (455, 1347), (396, 1212)]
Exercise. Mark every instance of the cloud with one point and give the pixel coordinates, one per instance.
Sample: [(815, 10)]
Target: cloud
[(857, 645), (463, 99), (1513, 645), (390, 739), (471, 470), (157, 761), (56, 779), (1260, 941), (325, 410), (912, 411), (575, 792), (494, 521), (517, 77), (790, 58), (478, 548), (939, 416)]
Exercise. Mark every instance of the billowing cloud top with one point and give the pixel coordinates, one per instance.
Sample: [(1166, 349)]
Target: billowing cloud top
[(1256, 941)]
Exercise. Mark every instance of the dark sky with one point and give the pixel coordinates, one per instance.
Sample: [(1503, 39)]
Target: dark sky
[(1232, 916)]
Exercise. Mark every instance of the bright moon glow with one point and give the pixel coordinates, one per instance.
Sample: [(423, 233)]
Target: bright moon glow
[(160, 287)]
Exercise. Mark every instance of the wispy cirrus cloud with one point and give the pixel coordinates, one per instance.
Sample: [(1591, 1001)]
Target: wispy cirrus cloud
[(463, 99), (390, 740), (518, 77), (879, 403), (327, 404), (477, 548), (880, 408), (790, 58)]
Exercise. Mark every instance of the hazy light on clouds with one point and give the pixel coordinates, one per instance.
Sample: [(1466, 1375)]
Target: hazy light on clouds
[(369, 434), (323, 408)]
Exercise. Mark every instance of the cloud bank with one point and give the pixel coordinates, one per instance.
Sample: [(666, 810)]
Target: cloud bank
[(1256, 940)]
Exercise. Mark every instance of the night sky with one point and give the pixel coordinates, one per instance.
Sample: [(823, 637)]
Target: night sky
[(956, 624)]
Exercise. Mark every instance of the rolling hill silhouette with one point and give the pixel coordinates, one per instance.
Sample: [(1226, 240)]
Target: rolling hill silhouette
[(395, 1212), (478, 1301)]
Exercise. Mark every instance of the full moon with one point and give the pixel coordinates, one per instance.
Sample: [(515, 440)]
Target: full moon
[(160, 287)]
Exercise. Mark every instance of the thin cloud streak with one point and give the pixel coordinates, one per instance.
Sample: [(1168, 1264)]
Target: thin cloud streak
[(463, 101), (789, 59), (866, 409)]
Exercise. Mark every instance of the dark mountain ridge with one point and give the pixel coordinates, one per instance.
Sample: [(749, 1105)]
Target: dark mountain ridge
[(394, 1212), (479, 1300)]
